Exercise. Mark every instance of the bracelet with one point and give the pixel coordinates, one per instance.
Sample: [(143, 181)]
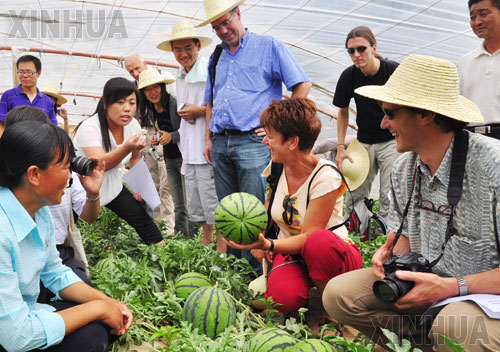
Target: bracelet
[(462, 286), (93, 200), (272, 244)]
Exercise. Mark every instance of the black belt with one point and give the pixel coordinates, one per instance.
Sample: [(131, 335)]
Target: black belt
[(484, 129), (228, 132)]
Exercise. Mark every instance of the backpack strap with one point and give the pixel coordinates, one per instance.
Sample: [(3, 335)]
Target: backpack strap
[(215, 59)]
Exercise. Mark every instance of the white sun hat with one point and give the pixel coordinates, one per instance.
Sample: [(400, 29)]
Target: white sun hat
[(151, 76), (183, 30), (427, 83), (356, 173), (49, 89), (217, 8)]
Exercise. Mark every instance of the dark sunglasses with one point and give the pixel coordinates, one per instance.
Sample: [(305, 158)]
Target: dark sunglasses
[(360, 49), (287, 215), (390, 113)]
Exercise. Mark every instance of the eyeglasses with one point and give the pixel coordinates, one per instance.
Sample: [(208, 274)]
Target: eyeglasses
[(429, 206), (390, 113), (28, 73), (360, 49), (223, 24), (288, 210)]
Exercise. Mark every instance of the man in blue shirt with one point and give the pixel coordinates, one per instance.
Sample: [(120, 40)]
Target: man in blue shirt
[(29, 69), (249, 75)]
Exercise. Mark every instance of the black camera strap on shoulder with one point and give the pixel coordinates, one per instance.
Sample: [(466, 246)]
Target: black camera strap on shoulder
[(454, 193), (215, 60)]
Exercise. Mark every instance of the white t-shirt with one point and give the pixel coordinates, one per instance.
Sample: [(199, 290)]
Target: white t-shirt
[(326, 181), (89, 135), (191, 89)]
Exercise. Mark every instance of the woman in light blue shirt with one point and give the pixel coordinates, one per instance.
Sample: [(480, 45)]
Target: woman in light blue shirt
[(34, 171)]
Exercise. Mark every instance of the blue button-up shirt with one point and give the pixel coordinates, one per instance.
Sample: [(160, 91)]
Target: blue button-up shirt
[(247, 80), (27, 254), (15, 97)]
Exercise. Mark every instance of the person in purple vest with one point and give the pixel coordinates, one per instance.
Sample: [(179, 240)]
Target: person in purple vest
[(29, 69)]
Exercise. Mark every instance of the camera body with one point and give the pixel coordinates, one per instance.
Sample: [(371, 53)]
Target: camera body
[(58, 110), (82, 165), (390, 289), (156, 136), (154, 153)]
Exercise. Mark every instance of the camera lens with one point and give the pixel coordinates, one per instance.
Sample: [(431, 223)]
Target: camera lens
[(82, 165), (389, 290)]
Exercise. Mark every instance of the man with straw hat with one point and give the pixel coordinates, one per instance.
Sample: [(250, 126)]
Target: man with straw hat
[(135, 64), (248, 75), (58, 100), (449, 219), (478, 69), (201, 197)]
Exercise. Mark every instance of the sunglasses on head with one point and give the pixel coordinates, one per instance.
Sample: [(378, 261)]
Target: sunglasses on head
[(360, 49)]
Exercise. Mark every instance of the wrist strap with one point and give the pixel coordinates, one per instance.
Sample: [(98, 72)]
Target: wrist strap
[(93, 200), (272, 244)]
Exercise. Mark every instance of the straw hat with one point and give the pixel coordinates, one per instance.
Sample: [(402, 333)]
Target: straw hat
[(217, 8), (152, 76), (356, 173), (49, 89), (428, 83), (183, 30)]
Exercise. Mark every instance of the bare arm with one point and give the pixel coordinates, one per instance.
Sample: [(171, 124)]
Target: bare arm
[(207, 152), (301, 90), (342, 122), (192, 112), (2, 127)]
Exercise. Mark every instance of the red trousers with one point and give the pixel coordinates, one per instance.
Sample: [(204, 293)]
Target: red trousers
[(325, 254)]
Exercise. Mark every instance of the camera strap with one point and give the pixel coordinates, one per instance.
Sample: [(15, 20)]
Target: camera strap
[(454, 193)]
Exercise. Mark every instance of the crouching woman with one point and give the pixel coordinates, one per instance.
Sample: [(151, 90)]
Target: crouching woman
[(34, 171), (307, 202)]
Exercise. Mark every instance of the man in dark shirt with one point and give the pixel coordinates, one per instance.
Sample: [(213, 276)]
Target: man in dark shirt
[(369, 69)]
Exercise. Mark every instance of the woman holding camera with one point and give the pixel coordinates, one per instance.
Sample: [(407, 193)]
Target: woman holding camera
[(113, 135), (161, 107), (34, 172), (308, 201)]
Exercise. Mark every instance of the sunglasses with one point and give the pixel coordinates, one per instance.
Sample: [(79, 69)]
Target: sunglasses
[(390, 113), (359, 49), (288, 210)]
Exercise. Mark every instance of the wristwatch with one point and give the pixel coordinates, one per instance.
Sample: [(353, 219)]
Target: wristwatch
[(462, 286), (272, 244)]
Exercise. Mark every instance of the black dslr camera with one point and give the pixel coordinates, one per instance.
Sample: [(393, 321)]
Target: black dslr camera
[(390, 289), (82, 165)]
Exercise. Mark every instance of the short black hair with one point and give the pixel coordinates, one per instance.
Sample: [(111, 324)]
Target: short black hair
[(26, 113), (30, 58), (195, 40), (495, 3)]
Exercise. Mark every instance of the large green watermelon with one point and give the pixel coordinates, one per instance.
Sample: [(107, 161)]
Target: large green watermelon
[(271, 339), (188, 282), (240, 217), (312, 345), (210, 309)]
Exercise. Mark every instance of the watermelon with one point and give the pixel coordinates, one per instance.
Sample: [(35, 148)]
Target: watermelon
[(271, 339), (240, 217), (103, 263), (210, 309), (188, 282), (312, 345)]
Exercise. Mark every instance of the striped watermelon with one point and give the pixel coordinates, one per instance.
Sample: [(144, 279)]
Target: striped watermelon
[(271, 339), (313, 345), (104, 263), (210, 309), (188, 282), (240, 217)]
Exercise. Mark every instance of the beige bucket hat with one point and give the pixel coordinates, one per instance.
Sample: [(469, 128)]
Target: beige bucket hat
[(356, 173), (428, 83), (152, 76), (49, 89), (183, 30), (217, 8)]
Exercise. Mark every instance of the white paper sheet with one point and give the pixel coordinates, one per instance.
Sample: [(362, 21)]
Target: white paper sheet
[(490, 304), (139, 179)]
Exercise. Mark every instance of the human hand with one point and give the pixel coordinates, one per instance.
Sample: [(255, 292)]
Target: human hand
[(190, 112), (165, 138), (260, 254), (138, 197), (119, 316), (381, 256), (136, 142), (260, 131), (341, 155), (429, 288), (64, 114), (92, 183), (261, 243), (207, 151)]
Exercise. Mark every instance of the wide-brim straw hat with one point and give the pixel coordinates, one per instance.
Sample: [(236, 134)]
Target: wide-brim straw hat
[(217, 8), (183, 30), (356, 173), (152, 76), (49, 89), (427, 83)]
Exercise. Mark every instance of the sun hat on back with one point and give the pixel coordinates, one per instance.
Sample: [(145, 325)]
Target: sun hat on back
[(217, 8), (183, 30), (151, 76), (356, 173), (427, 83), (49, 89)]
